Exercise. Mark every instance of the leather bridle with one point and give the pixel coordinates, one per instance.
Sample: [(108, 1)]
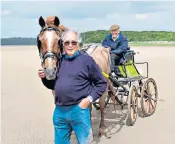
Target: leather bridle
[(49, 53)]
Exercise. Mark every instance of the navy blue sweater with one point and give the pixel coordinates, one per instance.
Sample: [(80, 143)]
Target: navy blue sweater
[(77, 78)]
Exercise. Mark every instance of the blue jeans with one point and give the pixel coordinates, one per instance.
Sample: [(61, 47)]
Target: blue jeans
[(68, 118)]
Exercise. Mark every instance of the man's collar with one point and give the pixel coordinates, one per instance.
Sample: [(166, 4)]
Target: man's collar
[(116, 38), (77, 53)]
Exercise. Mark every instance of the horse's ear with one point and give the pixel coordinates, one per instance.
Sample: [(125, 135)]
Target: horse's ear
[(56, 21), (41, 21)]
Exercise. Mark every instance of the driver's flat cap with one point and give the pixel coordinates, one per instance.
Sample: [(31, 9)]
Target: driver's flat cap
[(114, 27)]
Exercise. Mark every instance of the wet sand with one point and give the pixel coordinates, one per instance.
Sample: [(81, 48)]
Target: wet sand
[(27, 106)]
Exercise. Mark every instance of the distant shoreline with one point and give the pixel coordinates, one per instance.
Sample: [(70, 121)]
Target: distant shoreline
[(138, 44), (133, 43), (142, 38)]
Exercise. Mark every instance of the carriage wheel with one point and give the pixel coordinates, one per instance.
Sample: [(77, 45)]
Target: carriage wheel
[(132, 105), (149, 96), (97, 105)]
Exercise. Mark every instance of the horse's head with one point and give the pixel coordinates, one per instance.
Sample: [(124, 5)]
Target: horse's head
[(49, 45)]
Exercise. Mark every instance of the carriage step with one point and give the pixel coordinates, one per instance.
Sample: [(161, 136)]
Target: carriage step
[(121, 90), (123, 93)]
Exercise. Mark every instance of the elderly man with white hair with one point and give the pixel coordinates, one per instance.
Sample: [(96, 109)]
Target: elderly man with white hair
[(118, 45), (79, 82)]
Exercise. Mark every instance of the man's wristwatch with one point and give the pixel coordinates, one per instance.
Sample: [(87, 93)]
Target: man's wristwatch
[(90, 98)]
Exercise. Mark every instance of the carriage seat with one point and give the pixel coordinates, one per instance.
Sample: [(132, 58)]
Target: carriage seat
[(127, 66), (128, 56)]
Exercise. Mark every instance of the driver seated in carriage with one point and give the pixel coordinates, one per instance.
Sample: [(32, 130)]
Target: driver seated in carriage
[(118, 45)]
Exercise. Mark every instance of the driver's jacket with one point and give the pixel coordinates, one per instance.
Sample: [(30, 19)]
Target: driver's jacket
[(119, 46)]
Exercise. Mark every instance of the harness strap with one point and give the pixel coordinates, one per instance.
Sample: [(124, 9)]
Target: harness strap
[(89, 49)]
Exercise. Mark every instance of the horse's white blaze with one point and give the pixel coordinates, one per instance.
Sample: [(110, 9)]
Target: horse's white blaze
[(49, 37), (50, 62)]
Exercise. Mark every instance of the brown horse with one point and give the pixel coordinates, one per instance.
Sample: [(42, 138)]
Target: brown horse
[(49, 44), (49, 47), (101, 56)]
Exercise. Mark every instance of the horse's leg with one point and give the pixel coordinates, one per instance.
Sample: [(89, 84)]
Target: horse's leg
[(91, 112), (112, 93), (102, 123), (91, 118), (102, 129)]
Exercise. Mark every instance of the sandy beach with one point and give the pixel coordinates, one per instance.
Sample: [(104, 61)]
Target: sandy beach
[(27, 106)]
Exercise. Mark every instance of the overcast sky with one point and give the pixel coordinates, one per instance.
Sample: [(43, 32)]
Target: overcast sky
[(20, 19)]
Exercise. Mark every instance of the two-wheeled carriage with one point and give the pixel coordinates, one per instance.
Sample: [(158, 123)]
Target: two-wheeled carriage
[(131, 85)]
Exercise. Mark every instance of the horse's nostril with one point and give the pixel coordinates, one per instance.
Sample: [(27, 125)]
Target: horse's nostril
[(51, 71)]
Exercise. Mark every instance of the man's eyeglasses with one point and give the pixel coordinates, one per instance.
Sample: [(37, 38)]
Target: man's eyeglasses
[(74, 43)]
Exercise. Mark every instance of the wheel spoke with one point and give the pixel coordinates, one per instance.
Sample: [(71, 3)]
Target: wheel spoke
[(146, 99), (153, 93), (146, 95), (148, 109), (133, 113), (133, 104), (151, 88), (152, 105), (147, 106), (134, 108), (149, 97), (134, 116), (154, 100)]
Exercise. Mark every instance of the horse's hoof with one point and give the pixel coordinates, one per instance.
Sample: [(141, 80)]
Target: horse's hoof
[(104, 134), (105, 137)]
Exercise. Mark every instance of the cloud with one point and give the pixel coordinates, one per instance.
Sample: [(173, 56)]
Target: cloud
[(21, 18), (142, 17), (5, 12)]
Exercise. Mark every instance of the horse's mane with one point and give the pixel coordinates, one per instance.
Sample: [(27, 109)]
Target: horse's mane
[(100, 54), (50, 22)]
